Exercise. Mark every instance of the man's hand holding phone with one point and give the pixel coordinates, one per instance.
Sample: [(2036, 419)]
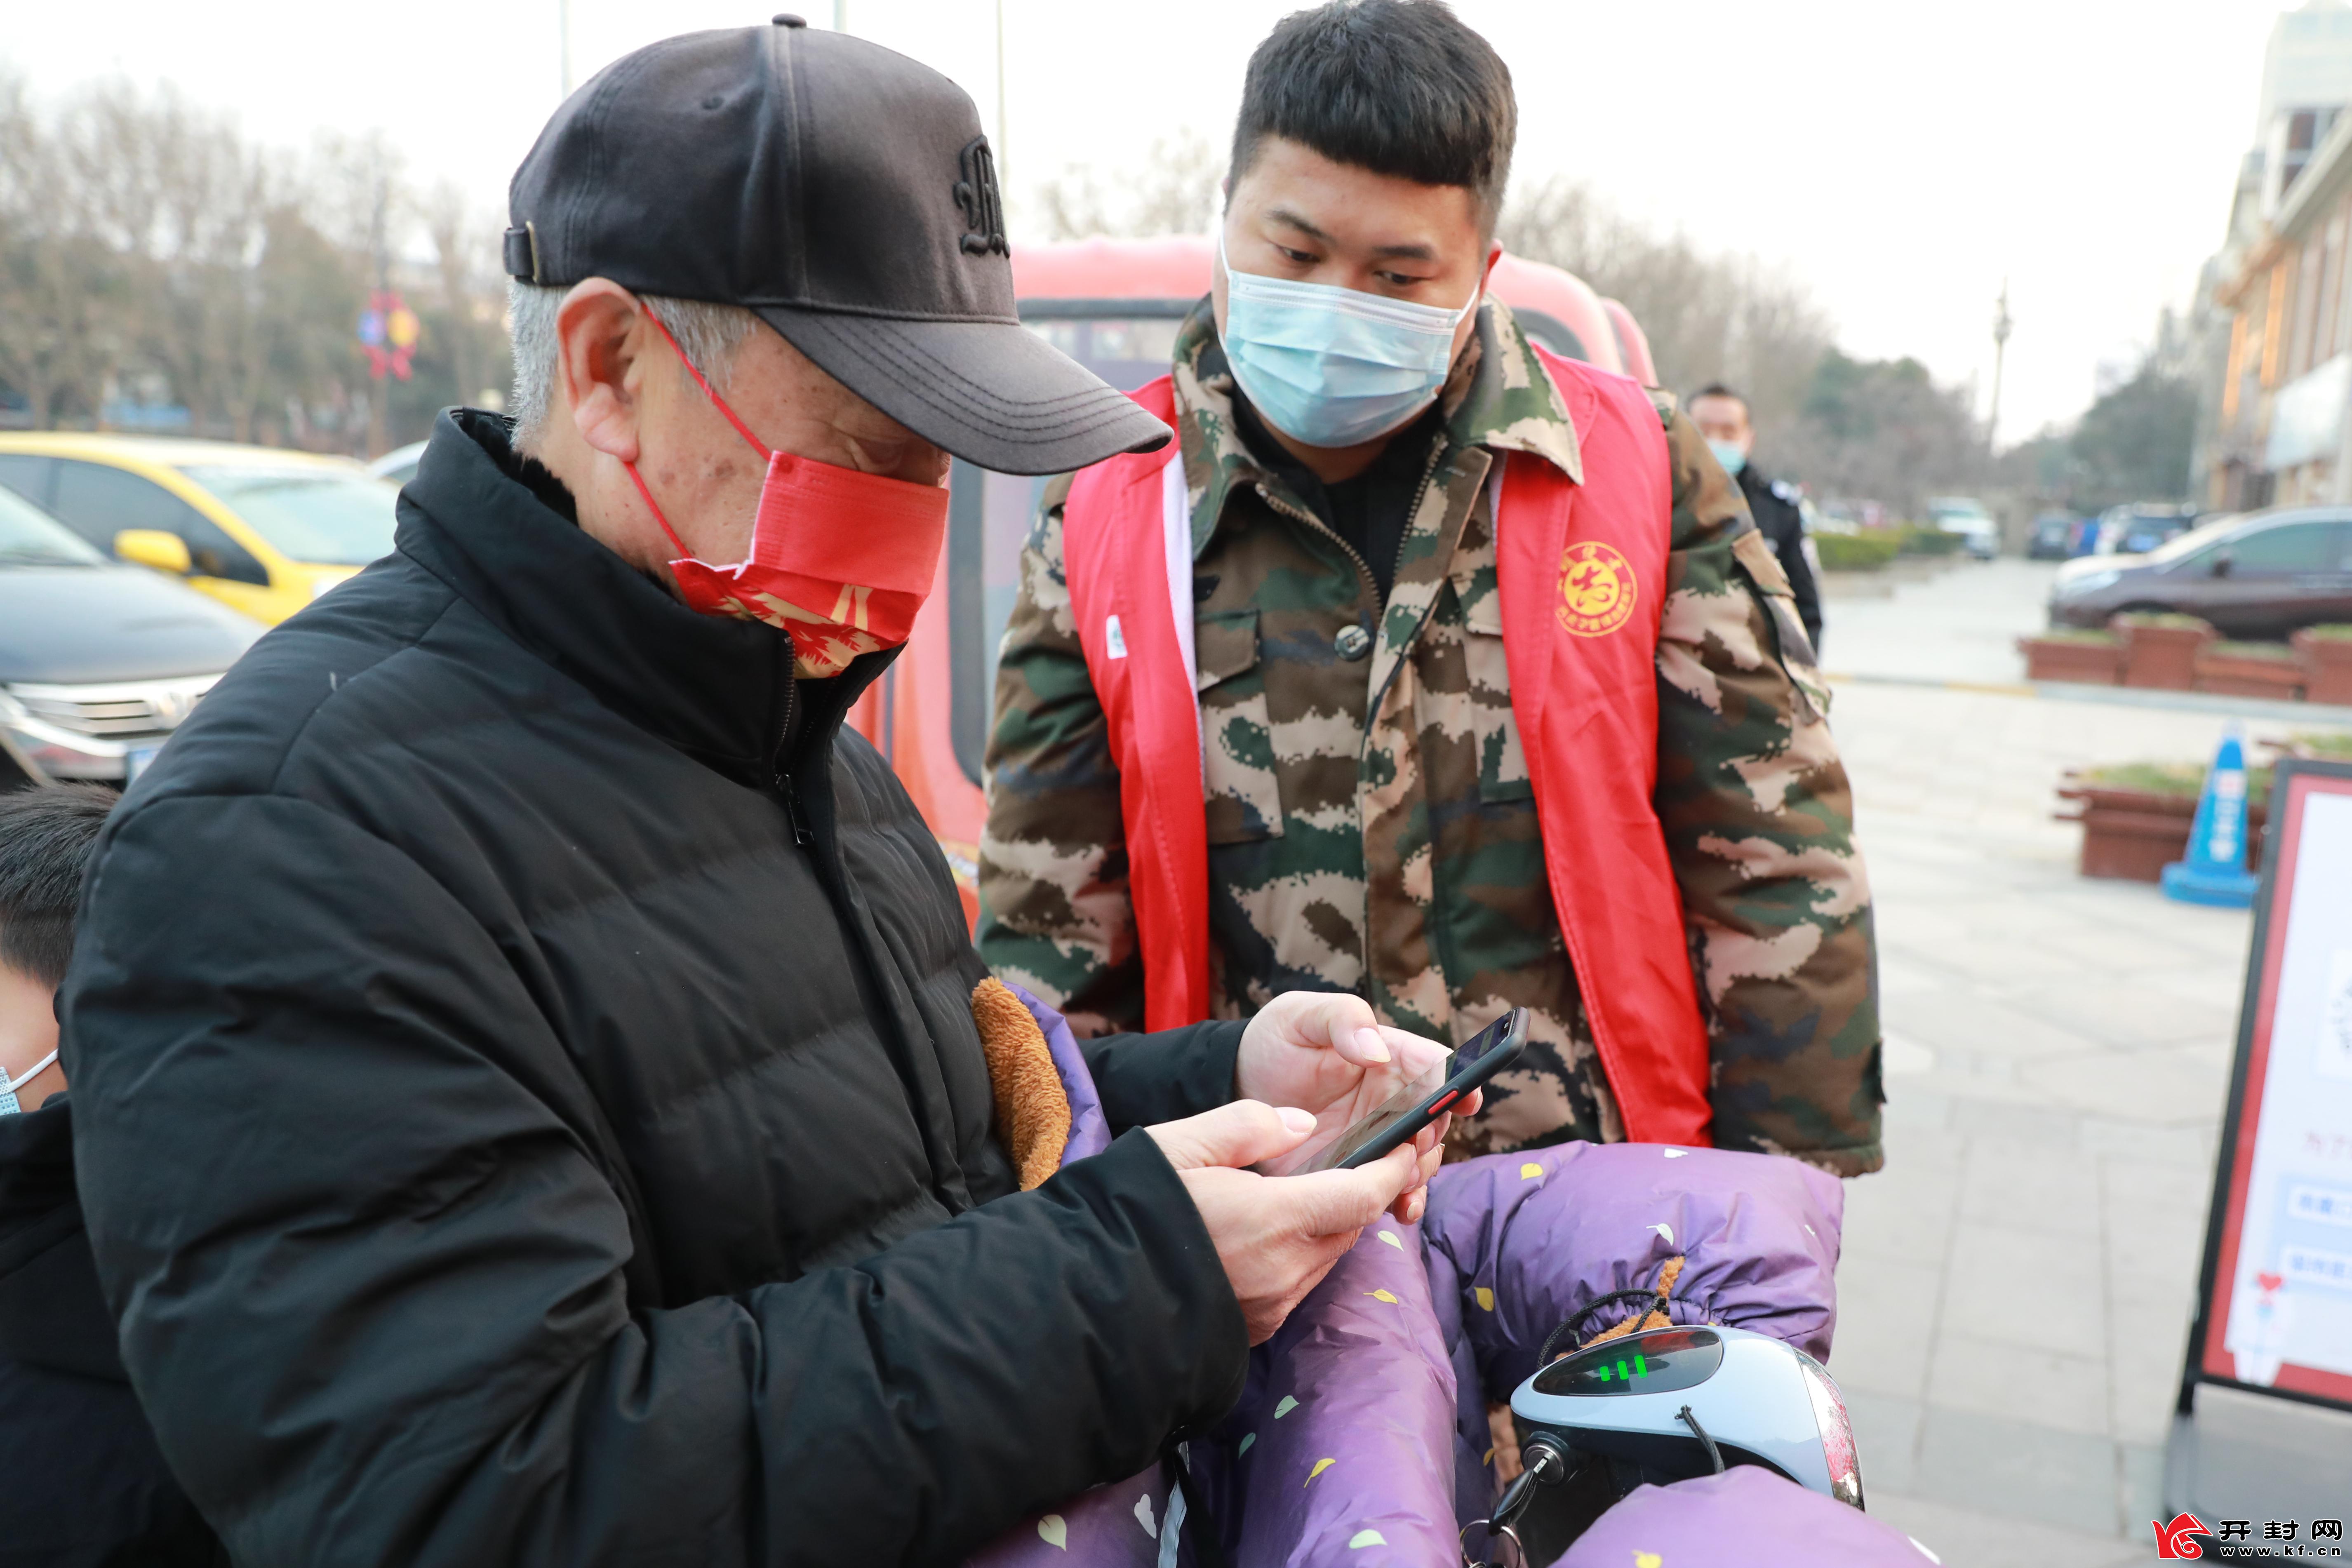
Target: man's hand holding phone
[(1312, 1065), (1276, 1235), (1326, 1053)]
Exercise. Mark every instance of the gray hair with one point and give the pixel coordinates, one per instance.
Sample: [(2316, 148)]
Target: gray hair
[(710, 335)]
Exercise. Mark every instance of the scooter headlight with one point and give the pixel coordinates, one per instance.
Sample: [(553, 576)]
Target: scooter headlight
[(1836, 1429)]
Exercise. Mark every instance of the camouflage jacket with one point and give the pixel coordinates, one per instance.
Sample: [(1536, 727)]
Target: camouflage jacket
[(1371, 827)]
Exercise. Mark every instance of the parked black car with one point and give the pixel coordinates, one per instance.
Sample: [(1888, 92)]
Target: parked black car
[(2054, 535), (99, 661), (2258, 574)]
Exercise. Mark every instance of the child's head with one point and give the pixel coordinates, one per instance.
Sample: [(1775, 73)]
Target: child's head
[(45, 841)]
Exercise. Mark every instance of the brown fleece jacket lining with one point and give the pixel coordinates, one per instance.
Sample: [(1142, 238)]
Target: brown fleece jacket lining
[(1668, 1272), (1032, 1112)]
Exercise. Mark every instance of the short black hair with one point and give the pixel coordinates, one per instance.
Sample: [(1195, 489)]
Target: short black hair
[(1716, 389), (46, 835), (1398, 87)]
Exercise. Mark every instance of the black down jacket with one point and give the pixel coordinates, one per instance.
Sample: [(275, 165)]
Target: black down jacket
[(84, 1486), (529, 1108)]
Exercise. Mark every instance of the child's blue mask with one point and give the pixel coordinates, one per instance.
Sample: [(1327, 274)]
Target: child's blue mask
[(10, 1086), (1332, 366)]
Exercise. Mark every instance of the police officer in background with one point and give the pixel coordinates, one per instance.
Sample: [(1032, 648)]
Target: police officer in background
[(1721, 416)]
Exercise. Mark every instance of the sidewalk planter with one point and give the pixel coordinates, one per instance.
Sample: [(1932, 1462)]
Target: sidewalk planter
[(2091, 659), (2136, 817), (2326, 654), (2160, 650), (2266, 669)]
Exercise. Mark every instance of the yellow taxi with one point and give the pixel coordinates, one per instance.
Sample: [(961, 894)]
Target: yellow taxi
[(262, 530)]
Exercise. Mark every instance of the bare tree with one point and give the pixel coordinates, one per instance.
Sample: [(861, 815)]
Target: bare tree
[(360, 195), (1882, 430), (459, 245), (209, 197), (60, 287), (1175, 190), (150, 253), (1866, 430), (1709, 317)]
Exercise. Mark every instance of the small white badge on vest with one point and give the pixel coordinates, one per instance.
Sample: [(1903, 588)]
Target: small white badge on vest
[(1113, 638)]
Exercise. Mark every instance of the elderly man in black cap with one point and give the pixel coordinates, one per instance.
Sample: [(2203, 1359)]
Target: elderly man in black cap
[(530, 1100)]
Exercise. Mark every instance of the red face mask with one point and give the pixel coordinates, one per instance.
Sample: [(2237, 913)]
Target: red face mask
[(840, 561)]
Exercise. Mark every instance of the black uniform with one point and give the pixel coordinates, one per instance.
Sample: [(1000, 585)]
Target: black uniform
[(1773, 504), (531, 1111)]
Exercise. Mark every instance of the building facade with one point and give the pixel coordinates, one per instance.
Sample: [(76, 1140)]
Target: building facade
[(2274, 318), (2279, 431)]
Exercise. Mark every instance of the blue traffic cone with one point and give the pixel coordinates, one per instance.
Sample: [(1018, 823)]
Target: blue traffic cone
[(2215, 871)]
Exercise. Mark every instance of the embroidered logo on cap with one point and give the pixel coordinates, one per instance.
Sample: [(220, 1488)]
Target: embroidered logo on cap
[(983, 208), (1596, 589)]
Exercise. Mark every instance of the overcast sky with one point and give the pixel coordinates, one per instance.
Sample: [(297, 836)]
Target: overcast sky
[(1900, 157)]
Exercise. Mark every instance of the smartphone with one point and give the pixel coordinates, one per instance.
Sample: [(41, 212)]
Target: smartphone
[(1404, 1113)]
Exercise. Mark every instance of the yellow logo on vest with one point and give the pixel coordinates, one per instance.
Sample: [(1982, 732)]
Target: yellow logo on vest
[(1596, 589)]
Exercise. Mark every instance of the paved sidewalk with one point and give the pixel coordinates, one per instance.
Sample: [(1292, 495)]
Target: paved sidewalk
[(2017, 1284), (1960, 623)]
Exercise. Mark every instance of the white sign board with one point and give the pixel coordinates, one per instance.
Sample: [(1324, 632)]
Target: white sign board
[(2275, 1304)]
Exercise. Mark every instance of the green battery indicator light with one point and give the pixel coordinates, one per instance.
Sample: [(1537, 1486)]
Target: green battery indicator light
[(1641, 1369)]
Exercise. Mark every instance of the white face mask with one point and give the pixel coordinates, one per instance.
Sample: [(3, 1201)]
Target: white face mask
[(10, 1086), (1331, 366)]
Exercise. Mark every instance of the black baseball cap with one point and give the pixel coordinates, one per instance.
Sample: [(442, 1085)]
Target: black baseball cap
[(846, 196)]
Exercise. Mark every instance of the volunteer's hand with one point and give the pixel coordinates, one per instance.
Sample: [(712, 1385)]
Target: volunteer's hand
[(1326, 1053), (1276, 1235)]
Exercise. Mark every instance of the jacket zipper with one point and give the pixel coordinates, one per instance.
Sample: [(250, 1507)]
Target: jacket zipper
[(1437, 452), (786, 789), (866, 948), (1363, 567)]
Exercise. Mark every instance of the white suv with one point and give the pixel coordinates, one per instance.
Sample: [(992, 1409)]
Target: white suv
[(1967, 517)]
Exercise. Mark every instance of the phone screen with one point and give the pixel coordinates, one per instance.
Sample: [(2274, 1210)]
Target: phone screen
[(1324, 1151), (1387, 1114)]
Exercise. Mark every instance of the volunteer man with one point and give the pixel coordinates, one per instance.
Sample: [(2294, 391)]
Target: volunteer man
[(532, 1104), (1305, 704), (1721, 416)]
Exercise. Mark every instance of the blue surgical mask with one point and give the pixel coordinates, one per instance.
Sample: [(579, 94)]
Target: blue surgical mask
[(10, 1086), (1331, 366), (1730, 455)]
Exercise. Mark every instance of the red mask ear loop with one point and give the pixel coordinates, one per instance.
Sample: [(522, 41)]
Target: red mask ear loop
[(741, 429), (652, 506)]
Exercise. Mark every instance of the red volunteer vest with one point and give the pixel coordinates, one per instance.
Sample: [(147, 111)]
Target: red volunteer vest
[(1582, 570)]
